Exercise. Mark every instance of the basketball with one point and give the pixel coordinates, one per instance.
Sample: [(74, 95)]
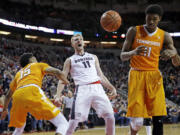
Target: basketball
[(110, 21)]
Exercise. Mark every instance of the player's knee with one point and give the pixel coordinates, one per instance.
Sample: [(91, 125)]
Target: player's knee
[(136, 123)]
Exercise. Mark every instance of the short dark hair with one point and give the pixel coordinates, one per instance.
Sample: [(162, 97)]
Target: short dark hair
[(24, 60), (154, 9)]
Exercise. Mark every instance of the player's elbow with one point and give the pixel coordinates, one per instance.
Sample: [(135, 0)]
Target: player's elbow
[(122, 57)]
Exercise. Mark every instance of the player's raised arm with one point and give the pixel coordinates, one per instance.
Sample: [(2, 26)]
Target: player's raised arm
[(58, 73), (126, 54), (105, 82), (66, 69)]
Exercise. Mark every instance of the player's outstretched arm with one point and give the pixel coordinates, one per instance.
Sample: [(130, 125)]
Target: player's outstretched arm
[(66, 70), (6, 103), (105, 82), (126, 54), (58, 73)]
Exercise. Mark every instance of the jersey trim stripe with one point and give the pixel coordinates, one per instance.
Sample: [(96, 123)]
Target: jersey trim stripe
[(35, 85), (74, 103)]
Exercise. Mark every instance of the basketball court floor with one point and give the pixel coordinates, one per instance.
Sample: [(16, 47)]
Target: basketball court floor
[(169, 129)]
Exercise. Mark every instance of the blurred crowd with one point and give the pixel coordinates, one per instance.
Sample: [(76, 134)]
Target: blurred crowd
[(88, 21), (115, 70)]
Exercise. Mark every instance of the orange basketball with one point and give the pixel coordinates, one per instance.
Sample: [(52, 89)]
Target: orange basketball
[(110, 21)]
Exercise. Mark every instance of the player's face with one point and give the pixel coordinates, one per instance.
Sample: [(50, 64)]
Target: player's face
[(152, 21), (78, 43)]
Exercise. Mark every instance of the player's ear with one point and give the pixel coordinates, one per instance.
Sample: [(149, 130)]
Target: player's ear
[(160, 17)]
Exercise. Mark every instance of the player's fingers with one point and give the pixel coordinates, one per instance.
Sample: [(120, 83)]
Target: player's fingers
[(113, 95), (141, 46), (142, 51)]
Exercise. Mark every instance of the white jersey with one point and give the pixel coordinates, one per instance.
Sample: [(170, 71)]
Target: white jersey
[(83, 69)]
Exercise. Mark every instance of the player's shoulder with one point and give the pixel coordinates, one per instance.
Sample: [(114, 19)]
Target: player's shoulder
[(132, 30), (40, 64), (166, 33), (69, 59), (95, 57)]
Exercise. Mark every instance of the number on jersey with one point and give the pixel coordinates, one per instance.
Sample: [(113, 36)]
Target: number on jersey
[(25, 72), (148, 54), (86, 64)]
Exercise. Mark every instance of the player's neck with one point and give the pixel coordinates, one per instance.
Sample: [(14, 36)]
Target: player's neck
[(80, 52), (150, 30)]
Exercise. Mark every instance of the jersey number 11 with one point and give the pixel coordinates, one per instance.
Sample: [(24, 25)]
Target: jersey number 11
[(86, 64)]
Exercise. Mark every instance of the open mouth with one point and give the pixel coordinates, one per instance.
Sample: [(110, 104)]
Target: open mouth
[(79, 45)]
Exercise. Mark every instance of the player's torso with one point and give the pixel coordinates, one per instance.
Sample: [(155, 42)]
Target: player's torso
[(153, 42), (31, 74), (83, 69)]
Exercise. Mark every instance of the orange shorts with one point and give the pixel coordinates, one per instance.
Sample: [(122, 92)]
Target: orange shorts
[(145, 94), (33, 100)]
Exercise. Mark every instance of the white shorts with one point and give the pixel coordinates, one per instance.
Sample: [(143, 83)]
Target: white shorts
[(87, 96)]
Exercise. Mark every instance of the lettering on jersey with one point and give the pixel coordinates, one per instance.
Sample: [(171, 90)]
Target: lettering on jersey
[(148, 42), (83, 59)]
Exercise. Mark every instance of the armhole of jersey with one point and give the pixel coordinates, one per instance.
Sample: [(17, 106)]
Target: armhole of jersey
[(94, 58), (134, 37), (137, 30), (162, 46)]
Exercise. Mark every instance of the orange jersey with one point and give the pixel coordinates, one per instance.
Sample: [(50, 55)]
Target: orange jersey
[(32, 73), (153, 42)]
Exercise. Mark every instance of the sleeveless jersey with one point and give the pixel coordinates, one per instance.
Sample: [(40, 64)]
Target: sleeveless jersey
[(32, 73), (153, 42), (83, 69)]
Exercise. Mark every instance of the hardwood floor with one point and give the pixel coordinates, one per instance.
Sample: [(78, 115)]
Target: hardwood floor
[(169, 129)]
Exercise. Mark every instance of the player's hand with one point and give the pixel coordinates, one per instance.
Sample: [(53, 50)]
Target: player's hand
[(141, 50), (112, 94), (167, 54), (4, 114), (57, 101)]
